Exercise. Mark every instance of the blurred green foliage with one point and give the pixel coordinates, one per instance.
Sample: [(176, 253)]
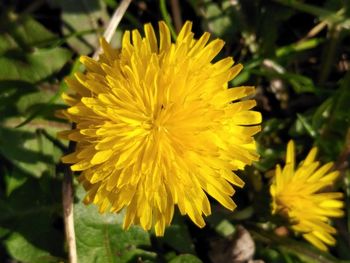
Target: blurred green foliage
[(297, 54)]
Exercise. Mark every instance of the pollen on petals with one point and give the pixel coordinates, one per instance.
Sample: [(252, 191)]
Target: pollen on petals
[(158, 127)]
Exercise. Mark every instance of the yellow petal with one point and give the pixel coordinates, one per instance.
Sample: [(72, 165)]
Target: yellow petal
[(101, 156)]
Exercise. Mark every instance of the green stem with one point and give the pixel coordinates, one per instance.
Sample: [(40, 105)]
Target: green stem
[(167, 18), (329, 53), (287, 245), (310, 9)]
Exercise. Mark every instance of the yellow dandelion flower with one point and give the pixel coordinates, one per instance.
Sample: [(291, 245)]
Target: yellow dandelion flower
[(157, 126), (299, 195)]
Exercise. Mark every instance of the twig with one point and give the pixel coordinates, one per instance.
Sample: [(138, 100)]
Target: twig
[(314, 31), (175, 10), (33, 6), (113, 24), (67, 187), (67, 199)]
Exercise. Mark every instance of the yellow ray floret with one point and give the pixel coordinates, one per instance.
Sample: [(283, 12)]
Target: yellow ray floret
[(299, 194), (158, 126)]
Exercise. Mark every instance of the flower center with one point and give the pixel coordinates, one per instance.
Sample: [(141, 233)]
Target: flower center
[(155, 122)]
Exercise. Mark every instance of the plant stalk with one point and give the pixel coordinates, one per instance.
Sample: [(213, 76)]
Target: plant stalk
[(68, 196), (176, 12), (67, 187), (113, 24)]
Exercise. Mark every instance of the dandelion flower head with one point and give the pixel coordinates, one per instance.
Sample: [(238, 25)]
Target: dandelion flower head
[(299, 194), (158, 126)]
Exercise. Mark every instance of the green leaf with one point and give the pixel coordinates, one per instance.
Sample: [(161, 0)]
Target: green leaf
[(21, 55), (32, 66), (299, 82), (49, 106), (307, 126), (10, 93), (178, 237), (14, 179), (267, 15), (245, 74), (26, 103), (79, 16), (305, 252), (25, 251), (333, 135), (322, 113), (30, 149), (23, 32), (330, 16), (100, 237), (186, 258), (219, 18), (298, 47), (340, 109), (268, 254), (30, 213), (225, 228)]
